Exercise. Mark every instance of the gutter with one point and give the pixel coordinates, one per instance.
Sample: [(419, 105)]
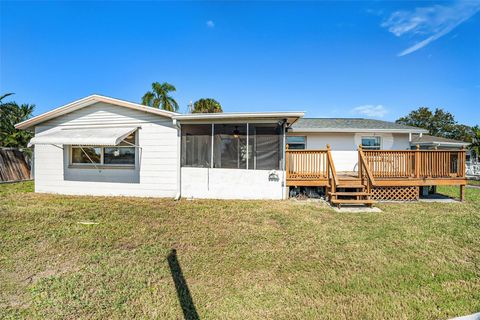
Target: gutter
[(436, 143), (354, 130), (179, 159)]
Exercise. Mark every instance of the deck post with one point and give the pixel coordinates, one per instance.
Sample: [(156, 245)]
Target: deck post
[(330, 178), (359, 165), (462, 159), (287, 164), (417, 161), (462, 193)]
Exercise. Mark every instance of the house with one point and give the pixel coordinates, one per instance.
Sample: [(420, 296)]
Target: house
[(104, 146), (428, 142)]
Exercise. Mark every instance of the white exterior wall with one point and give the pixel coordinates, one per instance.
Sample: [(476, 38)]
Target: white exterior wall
[(208, 183), (155, 172), (345, 145)]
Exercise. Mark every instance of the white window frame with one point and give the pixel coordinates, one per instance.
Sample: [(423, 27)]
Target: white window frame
[(380, 146), (102, 152)]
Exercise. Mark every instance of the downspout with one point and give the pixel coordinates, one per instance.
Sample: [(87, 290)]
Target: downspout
[(179, 158)]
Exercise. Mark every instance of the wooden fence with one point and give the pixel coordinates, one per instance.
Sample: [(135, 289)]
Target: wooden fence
[(13, 166)]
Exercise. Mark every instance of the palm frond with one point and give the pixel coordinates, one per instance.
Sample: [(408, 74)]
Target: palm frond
[(173, 103), (147, 98), (167, 87), (5, 95)]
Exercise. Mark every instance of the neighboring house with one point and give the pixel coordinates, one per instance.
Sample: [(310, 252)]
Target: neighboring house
[(105, 146), (428, 142)]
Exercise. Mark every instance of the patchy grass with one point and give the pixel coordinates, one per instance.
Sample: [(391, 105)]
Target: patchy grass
[(239, 259)]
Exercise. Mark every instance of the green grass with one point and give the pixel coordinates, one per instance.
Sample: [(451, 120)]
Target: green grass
[(240, 259), (474, 182)]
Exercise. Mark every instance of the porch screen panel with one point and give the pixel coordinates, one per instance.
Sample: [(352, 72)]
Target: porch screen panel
[(230, 146), (196, 145), (265, 144)]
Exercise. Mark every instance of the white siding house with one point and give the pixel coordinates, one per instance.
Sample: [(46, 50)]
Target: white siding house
[(154, 173), (105, 146)]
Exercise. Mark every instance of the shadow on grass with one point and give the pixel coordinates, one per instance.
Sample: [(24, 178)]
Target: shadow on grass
[(183, 293)]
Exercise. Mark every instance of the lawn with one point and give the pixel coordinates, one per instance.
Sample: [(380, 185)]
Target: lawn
[(157, 258), (474, 182)]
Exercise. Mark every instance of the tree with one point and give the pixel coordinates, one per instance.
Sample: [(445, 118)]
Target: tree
[(438, 123), (475, 146), (207, 105), (10, 114), (159, 97)]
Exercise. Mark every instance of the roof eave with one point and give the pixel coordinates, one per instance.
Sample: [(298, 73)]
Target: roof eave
[(215, 117), (354, 130)]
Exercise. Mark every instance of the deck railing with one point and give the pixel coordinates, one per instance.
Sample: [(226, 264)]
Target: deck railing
[(306, 164), (315, 165), (364, 173), (416, 163)]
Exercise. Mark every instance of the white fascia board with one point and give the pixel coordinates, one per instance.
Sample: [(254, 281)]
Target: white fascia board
[(355, 130), (87, 101), (230, 118), (239, 115)]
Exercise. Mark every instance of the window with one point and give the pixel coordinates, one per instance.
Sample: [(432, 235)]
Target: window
[(230, 146), (265, 147), (123, 154), (87, 155), (296, 142), (119, 155), (371, 143), (197, 145)]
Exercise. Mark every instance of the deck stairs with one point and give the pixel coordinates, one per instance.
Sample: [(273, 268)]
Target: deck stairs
[(350, 191)]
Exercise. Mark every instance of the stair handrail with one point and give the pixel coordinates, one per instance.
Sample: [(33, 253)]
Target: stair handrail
[(331, 170), (363, 166)]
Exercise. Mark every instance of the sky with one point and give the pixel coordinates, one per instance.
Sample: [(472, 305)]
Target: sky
[(330, 59)]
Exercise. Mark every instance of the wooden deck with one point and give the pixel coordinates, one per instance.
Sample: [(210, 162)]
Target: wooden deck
[(378, 169)]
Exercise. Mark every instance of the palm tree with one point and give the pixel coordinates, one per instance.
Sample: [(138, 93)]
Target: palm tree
[(159, 97), (207, 105), (10, 114)]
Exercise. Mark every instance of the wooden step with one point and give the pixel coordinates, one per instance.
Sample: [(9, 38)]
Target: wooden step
[(349, 201), (351, 186), (346, 193)]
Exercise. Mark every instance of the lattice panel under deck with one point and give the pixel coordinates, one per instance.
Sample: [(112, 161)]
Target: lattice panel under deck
[(396, 193)]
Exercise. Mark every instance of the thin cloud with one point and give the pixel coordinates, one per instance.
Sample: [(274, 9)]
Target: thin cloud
[(370, 110), (431, 22), (210, 24)]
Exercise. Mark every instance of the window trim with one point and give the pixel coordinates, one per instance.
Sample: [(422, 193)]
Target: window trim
[(380, 146)]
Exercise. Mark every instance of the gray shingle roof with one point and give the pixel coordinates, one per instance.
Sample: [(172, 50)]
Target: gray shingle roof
[(349, 124), (434, 140)]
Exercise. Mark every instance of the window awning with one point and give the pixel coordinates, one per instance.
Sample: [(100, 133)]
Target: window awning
[(104, 136)]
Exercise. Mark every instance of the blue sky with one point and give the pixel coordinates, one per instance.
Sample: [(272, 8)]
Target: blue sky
[(330, 59)]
